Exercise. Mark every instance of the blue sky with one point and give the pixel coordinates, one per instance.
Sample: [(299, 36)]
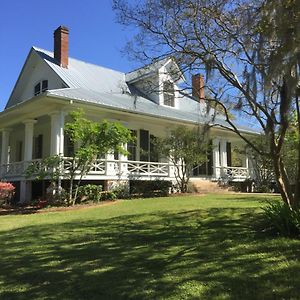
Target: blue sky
[(94, 37)]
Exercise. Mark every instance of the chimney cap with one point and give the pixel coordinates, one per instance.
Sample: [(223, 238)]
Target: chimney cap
[(62, 28)]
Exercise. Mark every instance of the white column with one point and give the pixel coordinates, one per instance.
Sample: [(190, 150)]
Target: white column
[(57, 133), (28, 140), (110, 165), (223, 148), (216, 158), (5, 145), (123, 166)]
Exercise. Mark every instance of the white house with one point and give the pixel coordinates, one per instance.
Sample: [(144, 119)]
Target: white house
[(147, 101)]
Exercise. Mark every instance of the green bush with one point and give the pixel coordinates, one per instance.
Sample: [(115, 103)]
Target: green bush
[(90, 192), (282, 219), (150, 188), (121, 191), (108, 196)]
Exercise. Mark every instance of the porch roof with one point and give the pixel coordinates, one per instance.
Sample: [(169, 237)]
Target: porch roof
[(139, 105)]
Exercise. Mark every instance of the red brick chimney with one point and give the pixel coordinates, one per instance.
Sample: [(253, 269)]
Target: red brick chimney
[(198, 87), (61, 46)]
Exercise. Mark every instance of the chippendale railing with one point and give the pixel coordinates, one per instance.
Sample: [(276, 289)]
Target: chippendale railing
[(148, 168), (235, 173), (99, 167), (103, 168)]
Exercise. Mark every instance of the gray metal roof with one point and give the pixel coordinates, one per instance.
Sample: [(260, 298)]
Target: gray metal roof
[(134, 104), (80, 74), (108, 88)]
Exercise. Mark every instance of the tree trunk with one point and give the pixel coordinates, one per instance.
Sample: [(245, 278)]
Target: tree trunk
[(283, 182), (297, 177)]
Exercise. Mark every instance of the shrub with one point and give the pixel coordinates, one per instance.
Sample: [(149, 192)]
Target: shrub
[(41, 204), (282, 219), (90, 192), (121, 191), (150, 188), (7, 191), (108, 196)]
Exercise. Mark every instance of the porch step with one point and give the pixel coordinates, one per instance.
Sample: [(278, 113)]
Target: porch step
[(206, 186)]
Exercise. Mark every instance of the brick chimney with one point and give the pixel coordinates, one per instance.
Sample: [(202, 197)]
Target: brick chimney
[(198, 87), (61, 46)]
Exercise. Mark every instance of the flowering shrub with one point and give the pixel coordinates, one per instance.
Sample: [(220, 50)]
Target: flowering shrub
[(41, 204), (7, 190)]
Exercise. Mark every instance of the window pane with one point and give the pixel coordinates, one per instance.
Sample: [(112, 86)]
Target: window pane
[(37, 89), (169, 93), (44, 85)]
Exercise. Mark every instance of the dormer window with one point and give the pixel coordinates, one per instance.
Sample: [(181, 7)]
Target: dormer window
[(169, 93), (40, 87)]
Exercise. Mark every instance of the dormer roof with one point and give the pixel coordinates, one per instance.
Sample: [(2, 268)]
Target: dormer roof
[(154, 68)]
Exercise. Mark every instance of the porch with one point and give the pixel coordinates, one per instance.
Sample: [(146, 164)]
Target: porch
[(111, 169)]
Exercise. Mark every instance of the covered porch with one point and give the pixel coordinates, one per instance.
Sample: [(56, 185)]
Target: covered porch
[(28, 138)]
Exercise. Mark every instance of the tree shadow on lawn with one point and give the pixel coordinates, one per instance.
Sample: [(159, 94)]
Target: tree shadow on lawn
[(199, 254)]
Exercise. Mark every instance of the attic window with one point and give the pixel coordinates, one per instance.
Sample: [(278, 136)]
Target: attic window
[(40, 87), (169, 93)]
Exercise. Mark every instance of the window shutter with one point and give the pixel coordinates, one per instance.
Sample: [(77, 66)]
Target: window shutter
[(228, 150), (144, 145)]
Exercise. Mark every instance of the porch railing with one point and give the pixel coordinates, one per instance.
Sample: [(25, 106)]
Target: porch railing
[(103, 168), (235, 173), (99, 167)]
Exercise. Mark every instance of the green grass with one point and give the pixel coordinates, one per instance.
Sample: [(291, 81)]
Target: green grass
[(166, 248)]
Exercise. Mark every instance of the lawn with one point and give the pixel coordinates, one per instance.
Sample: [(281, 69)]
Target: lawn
[(195, 247)]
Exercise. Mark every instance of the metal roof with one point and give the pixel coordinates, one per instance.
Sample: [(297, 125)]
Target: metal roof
[(108, 88)]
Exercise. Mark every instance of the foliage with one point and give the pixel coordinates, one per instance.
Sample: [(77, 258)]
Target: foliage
[(250, 53), (108, 195), (121, 191), (149, 188), (261, 166), (7, 191), (94, 140), (90, 192), (47, 168), (185, 148), (280, 218), (291, 151)]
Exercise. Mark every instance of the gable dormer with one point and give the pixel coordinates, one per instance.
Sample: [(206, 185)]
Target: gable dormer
[(158, 81)]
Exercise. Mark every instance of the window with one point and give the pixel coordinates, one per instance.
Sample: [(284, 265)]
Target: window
[(131, 146), (19, 151), (169, 93), (148, 151), (68, 146), (144, 145), (207, 167), (38, 146), (41, 87)]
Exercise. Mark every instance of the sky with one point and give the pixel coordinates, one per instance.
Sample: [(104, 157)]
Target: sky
[(94, 37)]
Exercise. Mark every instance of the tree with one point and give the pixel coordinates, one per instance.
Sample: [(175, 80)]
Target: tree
[(185, 148), (250, 54), (94, 140)]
